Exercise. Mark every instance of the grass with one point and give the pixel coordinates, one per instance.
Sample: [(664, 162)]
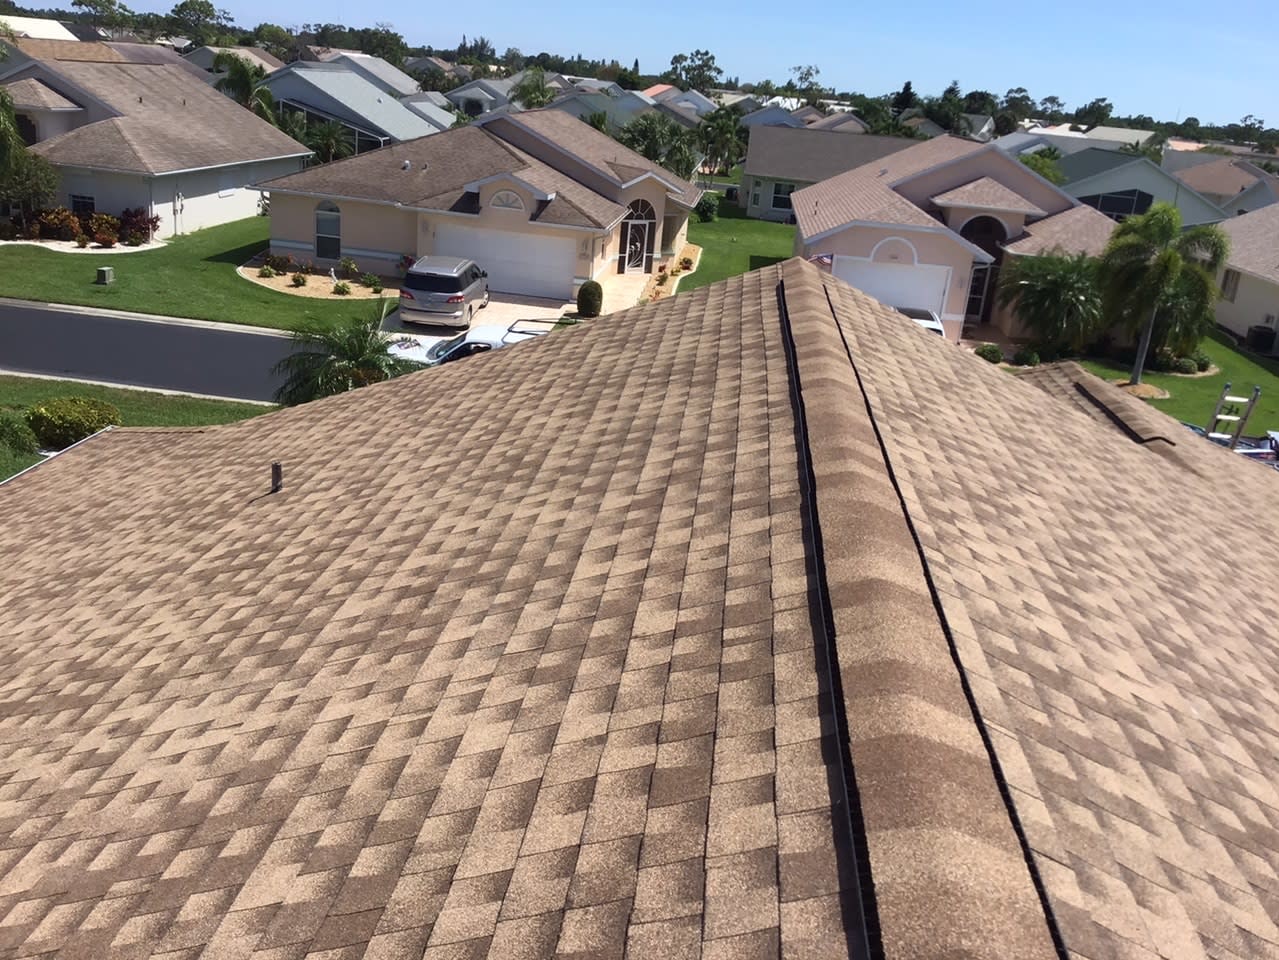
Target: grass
[(734, 244), (190, 276), (138, 408), (1192, 398)]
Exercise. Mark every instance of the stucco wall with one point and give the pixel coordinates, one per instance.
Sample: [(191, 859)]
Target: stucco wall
[(989, 163), (1146, 177), (375, 236), (1254, 300), (764, 210), (883, 244), (52, 123)]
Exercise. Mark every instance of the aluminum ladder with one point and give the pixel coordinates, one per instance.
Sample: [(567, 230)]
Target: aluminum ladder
[(1235, 420)]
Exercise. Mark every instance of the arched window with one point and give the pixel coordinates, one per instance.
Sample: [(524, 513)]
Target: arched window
[(328, 231), (641, 210), (508, 200)]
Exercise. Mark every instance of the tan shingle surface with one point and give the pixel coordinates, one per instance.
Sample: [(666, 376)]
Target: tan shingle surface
[(1254, 242), (32, 94), (1080, 229), (866, 193), (1224, 176), (988, 194)]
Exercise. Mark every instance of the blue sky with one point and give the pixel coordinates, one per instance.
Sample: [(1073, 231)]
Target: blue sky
[(1214, 61)]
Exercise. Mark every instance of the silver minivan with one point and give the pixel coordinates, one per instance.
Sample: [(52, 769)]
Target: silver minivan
[(443, 290)]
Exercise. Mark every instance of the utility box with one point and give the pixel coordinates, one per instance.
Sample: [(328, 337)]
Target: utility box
[(106, 275)]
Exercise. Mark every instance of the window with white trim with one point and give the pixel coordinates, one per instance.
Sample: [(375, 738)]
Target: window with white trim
[(82, 203), (1230, 285), (781, 195), (328, 231), (508, 200)]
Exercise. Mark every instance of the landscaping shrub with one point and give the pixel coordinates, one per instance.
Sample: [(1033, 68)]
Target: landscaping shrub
[(662, 278), (1161, 362), (82, 241), (8, 231), (1202, 361), (590, 299), (16, 435), (376, 286), (1185, 365), (134, 221), (58, 224), (100, 223), (990, 353), (105, 239), (708, 207), (62, 421), (369, 279), (299, 279), (280, 263), (341, 288), (266, 271), (349, 267), (686, 263), (1025, 357)]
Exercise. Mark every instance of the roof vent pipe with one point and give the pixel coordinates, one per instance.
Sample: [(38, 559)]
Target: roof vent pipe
[(406, 164), (277, 476)]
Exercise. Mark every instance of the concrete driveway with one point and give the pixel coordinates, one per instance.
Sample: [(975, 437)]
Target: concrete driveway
[(503, 310)]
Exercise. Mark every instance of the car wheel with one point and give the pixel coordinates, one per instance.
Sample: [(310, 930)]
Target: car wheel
[(485, 302)]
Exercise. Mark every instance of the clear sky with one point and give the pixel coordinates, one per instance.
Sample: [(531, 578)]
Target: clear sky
[(1177, 58)]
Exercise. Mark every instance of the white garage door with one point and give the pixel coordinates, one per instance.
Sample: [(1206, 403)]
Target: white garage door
[(897, 284), (516, 263)]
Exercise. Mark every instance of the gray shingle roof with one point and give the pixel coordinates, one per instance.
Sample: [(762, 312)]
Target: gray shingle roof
[(32, 94), (810, 156), (332, 84)]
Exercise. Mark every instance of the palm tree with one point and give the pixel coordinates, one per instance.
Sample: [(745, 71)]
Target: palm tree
[(722, 134), (336, 358), (598, 120), (292, 123), (330, 141), (1155, 274), (239, 79), (533, 91), (1055, 296), (660, 139)]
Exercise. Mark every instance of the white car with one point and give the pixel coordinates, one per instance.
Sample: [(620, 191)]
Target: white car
[(433, 351), (925, 318)]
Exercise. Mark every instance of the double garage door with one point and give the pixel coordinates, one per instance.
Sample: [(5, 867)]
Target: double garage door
[(919, 285), (523, 264)]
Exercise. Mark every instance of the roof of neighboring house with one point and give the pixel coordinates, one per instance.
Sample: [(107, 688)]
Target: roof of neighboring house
[(1120, 134), (988, 194), (1080, 229), (865, 192), (595, 676), (329, 53), (380, 72), (808, 113), (771, 115), (168, 120), (255, 56), (429, 96), (809, 156), (439, 117), (601, 151), (620, 110), (436, 63), (1092, 161), (32, 94), (440, 169), (657, 89), (1254, 242), (37, 28), (1224, 176), (71, 50), (841, 121), (361, 97)]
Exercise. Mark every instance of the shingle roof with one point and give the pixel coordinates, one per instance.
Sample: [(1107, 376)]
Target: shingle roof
[(558, 682), (1225, 176), (1092, 161), (1080, 229), (32, 94), (842, 121), (809, 156), (599, 149), (366, 103), (988, 194), (440, 167), (865, 192), (254, 56), (1254, 242), (169, 121), (69, 50), (380, 71)]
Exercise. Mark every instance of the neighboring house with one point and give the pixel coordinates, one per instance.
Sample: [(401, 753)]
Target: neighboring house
[(540, 200), (771, 116), (841, 122), (781, 160), (482, 96), (684, 114), (442, 118), (424, 65), (1235, 185), (1122, 185), (36, 28), (1105, 137), (319, 54), (155, 136), (1250, 281), (807, 114), (591, 85), (929, 226), (684, 100), (1063, 141), (25, 51), (378, 72), (620, 110), (433, 97), (976, 126), (750, 623), (203, 57), (745, 102), (332, 91), (659, 89)]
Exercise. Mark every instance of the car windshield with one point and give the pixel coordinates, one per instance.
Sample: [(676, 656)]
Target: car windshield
[(444, 346), (915, 314), (433, 282)]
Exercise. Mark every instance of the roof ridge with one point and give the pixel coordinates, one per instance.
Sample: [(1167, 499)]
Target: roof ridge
[(905, 691)]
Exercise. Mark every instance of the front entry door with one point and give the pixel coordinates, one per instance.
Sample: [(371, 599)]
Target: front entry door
[(634, 246)]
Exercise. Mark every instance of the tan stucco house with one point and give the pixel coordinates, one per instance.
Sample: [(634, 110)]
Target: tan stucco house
[(1250, 280), (929, 226), (541, 200)]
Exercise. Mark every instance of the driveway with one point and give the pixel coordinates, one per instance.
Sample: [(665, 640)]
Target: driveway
[(503, 310)]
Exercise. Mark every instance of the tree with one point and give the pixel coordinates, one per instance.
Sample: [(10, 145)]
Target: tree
[(905, 98), (292, 123), (29, 182), (981, 101), (1045, 164), (198, 20), (660, 139), (274, 39), (335, 358), (1053, 109), (805, 82), (723, 138), (1155, 275), (512, 59), (1019, 103), (1056, 297), (1005, 123), (764, 89), (1152, 149), (1094, 113), (695, 71), (533, 91), (240, 81), (108, 14), (598, 120), (330, 141)]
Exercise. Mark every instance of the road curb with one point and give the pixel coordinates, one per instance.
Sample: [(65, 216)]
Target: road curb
[(6, 372), (145, 317)]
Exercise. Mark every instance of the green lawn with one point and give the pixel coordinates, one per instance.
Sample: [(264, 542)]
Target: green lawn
[(1192, 398), (733, 244), (190, 276)]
